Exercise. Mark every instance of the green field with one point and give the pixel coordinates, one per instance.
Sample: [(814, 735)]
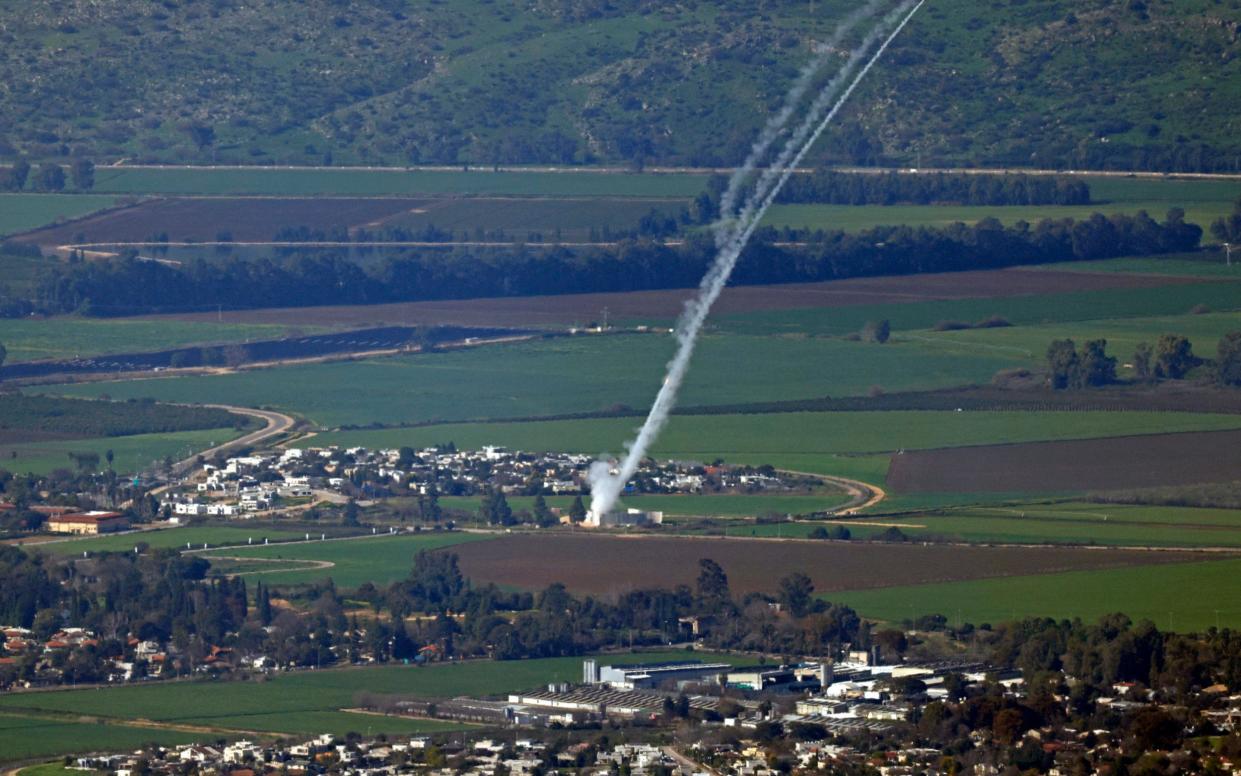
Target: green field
[(339, 723), (567, 375), (1029, 343), (69, 337), (20, 212), (27, 737), (1067, 523), (214, 535), (1208, 265), (133, 453), (1180, 596), (689, 504), (852, 218), (1018, 310), (381, 559), (21, 273), (308, 702), (395, 181), (818, 442)]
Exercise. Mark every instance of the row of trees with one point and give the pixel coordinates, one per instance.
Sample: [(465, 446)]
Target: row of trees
[(1170, 358), (49, 177), (841, 188), (127, 285)]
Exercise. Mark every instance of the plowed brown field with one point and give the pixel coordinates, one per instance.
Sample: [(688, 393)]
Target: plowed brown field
[(204, 219), (610, 564), (1087, 464)]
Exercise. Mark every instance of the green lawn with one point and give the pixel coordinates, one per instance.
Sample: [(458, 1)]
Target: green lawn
[(1181, 596), (307, 701), (393, 182), (1018, 310), (133, 453), (548, 377), (26, 737), (819, 442), (339, 723), (20, 212), (69, 337), (381, 559), (213, 535)]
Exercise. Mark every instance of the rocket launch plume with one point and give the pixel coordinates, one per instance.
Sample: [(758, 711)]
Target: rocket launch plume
[(731, 239)]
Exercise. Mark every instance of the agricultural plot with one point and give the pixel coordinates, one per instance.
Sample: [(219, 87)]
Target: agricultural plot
[(1122, 334), (207, 219), (853, 218), (133, 453), (349, 562), (883, 296), (1077, 465), (1177, 596), (20, 212), (578, 219), (1017, 523), (723, 506), (61, 338), (1093, 299), (194, 536), (393, 182), (1207, 265), (610, 564), (27, 737), (309, 702), (565, 375)]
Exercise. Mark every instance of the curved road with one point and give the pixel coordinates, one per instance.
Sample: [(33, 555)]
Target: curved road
[(277, 424)]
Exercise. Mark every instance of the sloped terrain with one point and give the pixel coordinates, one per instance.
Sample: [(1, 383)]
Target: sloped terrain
[(1054, 83)]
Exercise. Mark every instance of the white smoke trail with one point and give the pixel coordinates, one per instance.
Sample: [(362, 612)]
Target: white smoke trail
[(605, 486), (775, 124)]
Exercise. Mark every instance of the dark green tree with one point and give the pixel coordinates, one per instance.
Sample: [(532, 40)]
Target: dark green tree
[(495, 509), (1095, 367), (795, 593), (542, 514), (1062, 363), (1143, 355), (351, 513), (1174, 357), (1228, 359), (51, 177), (1228, 228), (712, 586), (577, 510), (877, 331), (84, 175), (18, 174)]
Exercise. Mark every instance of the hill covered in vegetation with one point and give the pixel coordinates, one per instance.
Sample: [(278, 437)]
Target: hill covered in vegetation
[(1144, 84)]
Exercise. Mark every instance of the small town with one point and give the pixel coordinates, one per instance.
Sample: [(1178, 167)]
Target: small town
[(261, 482)]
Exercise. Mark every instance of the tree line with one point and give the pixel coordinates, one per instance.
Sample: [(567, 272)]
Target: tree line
[(842, 188), (1170, 358), (128, 285), (50, 176)]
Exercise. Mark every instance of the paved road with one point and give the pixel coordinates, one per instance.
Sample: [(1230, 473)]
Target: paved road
[(277, 424)]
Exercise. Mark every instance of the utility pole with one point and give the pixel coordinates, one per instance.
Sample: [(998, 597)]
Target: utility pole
[(1228, 253)]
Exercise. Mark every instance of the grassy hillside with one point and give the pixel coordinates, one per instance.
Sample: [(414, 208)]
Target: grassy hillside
[(1053, 83)]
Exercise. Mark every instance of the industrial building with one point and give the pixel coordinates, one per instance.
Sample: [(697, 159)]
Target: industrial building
[(805, 676), (625, 517), (87, 523), (651, 675)]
